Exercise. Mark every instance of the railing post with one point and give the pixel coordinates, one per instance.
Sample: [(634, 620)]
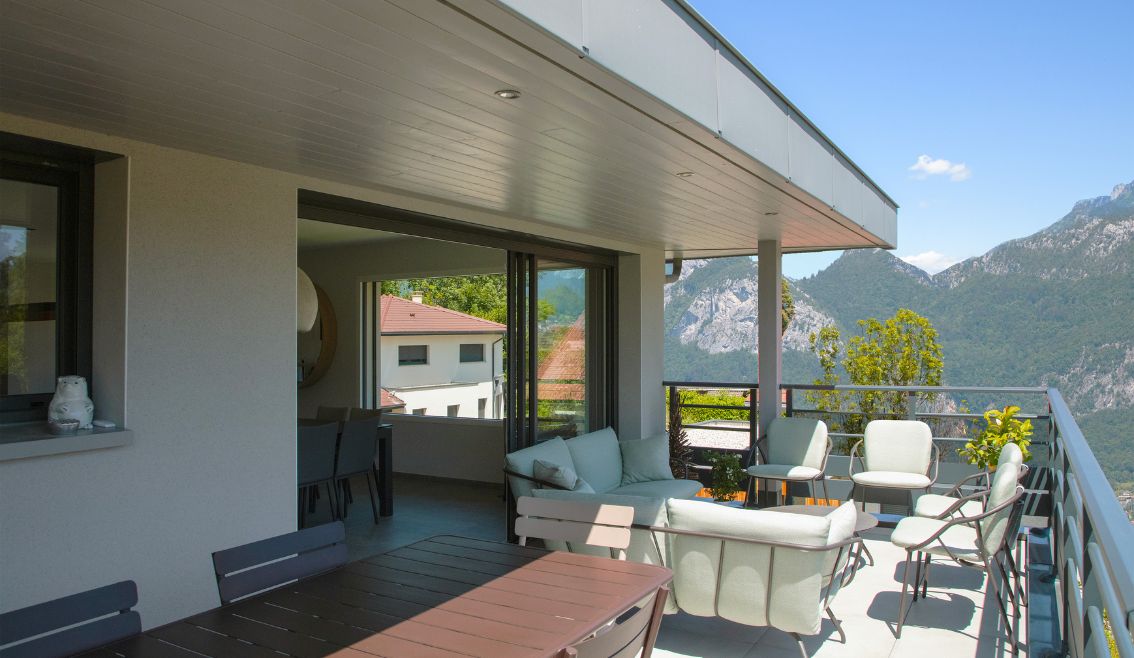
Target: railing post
[(911, 405), (789, 405)]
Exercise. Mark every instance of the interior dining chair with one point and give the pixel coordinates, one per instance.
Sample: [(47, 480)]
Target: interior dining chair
[(575, 522), (896, 454), (332, 413), (358, 413), (266, 564), (72, 624), (978, 541), (357, 448), (315, 466), (793, 450)]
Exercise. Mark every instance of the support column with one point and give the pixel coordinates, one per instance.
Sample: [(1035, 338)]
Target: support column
[(641, 302), (769, 263)]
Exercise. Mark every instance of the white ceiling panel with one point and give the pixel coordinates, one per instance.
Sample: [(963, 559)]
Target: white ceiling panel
[(399, 94)]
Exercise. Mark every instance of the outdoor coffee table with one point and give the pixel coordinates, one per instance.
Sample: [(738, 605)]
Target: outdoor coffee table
[(444, 596), (863, 522)]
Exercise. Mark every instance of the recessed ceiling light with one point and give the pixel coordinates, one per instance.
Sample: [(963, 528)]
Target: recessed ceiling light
[(684, 174), (508, 93), (769, 214)]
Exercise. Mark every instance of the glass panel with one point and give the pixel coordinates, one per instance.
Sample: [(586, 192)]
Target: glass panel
[(563, 346), (29, 218)]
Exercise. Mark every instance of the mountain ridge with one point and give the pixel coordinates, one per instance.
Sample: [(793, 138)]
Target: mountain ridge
[(1054, 308)]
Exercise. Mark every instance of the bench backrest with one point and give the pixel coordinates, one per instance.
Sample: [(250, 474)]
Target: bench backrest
[(268, 563), (116, 600)]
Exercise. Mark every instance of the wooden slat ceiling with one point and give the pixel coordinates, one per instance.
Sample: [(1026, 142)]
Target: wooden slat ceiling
[(396, 94)]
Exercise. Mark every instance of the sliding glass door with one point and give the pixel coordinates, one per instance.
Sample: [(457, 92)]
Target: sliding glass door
[(560, 348)]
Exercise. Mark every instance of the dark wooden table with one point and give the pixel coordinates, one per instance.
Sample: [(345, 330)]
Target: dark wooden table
[(442, 597), (384, 468)]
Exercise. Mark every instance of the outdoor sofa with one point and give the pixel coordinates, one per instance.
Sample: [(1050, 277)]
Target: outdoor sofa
[(604, 464)]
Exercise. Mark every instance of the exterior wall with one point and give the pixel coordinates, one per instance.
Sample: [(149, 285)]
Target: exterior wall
[(435, 400), (201, 278), (457, 448), (340, 270)]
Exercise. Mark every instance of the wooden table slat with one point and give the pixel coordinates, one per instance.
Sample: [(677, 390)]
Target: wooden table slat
[(440, 598), (195, 638)]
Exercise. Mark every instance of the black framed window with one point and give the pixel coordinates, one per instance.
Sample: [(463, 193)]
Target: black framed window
[(472, 352), (413, 355), (46, 222)]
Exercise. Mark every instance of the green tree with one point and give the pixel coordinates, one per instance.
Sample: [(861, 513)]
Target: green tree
[(900, 351), (480, 295), (787, 306)]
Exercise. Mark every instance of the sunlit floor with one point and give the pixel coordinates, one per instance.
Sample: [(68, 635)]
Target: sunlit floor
[(955, 620)]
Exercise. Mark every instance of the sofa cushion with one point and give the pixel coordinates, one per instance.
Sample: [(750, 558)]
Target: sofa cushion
[(843, 520), (597, 459), (645, 460), (557, 474), (660, 489), (523, 461), (740, 584)]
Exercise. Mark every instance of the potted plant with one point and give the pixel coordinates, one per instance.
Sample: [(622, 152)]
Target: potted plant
[(1001, 428), (728, 475)]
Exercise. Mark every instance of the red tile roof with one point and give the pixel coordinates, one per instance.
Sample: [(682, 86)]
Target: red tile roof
[(563, 371), (402, 316), (391, 401)]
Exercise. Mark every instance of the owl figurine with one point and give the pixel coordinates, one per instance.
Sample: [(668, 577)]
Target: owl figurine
[(71, 401)]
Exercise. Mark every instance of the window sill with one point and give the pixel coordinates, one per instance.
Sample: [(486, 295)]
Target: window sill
[(27, 440)]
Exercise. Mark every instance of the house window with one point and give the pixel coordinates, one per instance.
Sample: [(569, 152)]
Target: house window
[(481, 407), (472, 353), (45, 280), (419, 412), (413, 355), (454, 410)]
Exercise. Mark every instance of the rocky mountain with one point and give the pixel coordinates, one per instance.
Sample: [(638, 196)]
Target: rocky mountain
[(1054, 308)]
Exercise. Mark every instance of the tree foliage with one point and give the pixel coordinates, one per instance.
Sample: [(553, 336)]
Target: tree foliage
[(481, 295), (900, 351)]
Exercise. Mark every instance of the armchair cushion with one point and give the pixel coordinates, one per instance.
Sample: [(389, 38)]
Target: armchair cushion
[(934, 505), (597, 459), (783, 472), (892, 480), (897, 445), (797, 442), (660, 489), (961, 539), (523, 461), (645, 460)]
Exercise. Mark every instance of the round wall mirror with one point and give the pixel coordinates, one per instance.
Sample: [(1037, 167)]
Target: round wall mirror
[(317, 347)]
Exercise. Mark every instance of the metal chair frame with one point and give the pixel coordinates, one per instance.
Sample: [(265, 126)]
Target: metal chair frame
[(758, 451), (934, 466), (987, 559)]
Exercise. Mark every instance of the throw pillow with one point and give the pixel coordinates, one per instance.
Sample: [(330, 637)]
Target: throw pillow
[(645, 460), (560, 476), (582, 487)]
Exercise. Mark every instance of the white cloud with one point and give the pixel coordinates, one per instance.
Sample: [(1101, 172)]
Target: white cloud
[(930, 261), (927, 166)]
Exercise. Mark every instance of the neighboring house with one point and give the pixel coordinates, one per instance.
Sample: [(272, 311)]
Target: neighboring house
[(440, 362)]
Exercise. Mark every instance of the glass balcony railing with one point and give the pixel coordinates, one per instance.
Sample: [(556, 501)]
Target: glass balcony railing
[(1079, 541)]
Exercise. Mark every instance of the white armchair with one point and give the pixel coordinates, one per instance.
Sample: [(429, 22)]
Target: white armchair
[(793, 450), (940, 506), (977, 541), (896, 454)]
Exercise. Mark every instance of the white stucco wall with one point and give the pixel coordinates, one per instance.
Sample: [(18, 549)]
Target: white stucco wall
[(200, 277), (456, 448)]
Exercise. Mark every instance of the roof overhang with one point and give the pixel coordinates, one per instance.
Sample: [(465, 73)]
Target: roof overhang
[(399, 95)]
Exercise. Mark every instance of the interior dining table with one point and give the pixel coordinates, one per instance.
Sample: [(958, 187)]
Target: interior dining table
[(442, 597), (383, 466)]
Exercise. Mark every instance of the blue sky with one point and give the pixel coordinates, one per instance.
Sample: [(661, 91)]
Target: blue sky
[(1031, 105)]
